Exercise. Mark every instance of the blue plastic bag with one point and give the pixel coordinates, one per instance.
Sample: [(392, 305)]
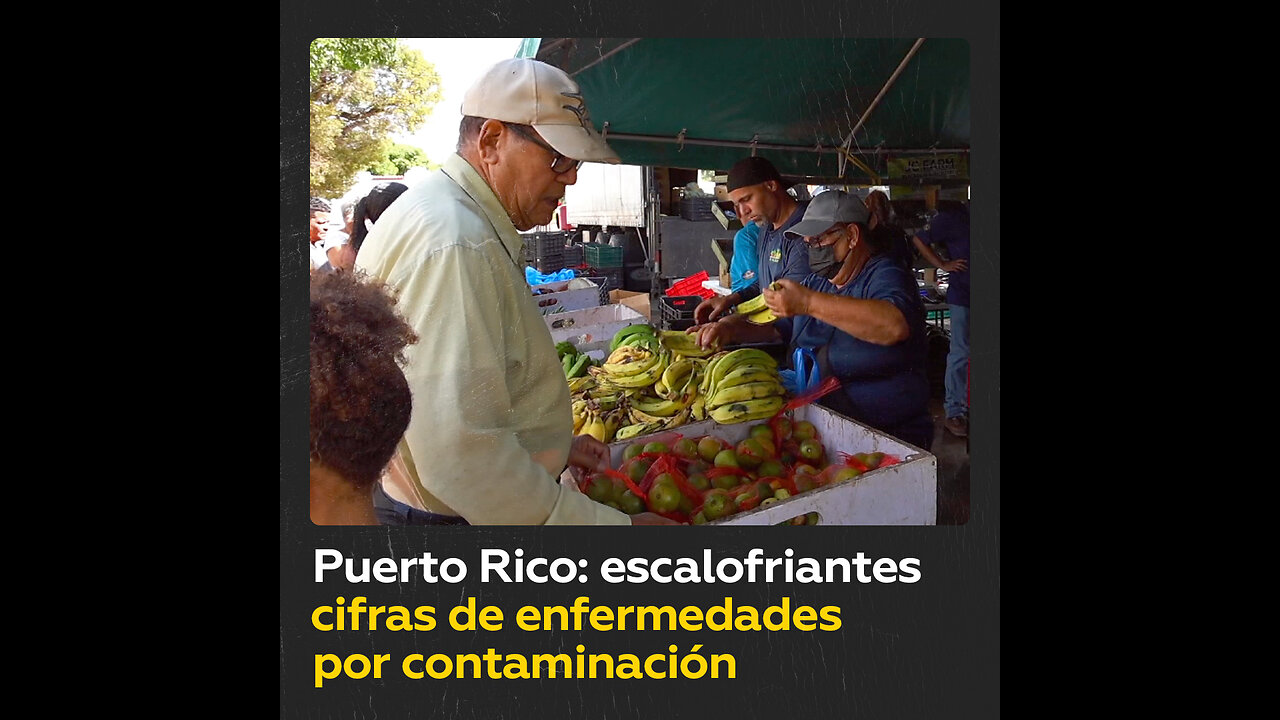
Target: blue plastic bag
[(533, 277)]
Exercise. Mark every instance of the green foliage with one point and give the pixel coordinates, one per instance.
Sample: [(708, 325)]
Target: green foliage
[(398, 160), (363, 91)]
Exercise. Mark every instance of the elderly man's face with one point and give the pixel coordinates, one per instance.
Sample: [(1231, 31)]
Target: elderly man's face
[(533, 188)]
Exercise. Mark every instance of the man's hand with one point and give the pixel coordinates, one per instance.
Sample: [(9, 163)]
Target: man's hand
[(715, 335), (955, 265), (712, 308), (790, 299), (648, 518), (589, 453)]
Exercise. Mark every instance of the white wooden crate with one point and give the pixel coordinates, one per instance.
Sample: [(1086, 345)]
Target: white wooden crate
[(902, 494)]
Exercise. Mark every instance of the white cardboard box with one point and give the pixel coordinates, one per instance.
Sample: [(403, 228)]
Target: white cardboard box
[(590, 327), (905, 493), (561, 299)]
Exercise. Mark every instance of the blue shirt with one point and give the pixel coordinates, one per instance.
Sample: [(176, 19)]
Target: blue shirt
[(745, 263), (779, 256), (951, 230), (885, 387)]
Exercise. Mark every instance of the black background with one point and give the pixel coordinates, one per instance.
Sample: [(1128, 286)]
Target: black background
[(928, 649)]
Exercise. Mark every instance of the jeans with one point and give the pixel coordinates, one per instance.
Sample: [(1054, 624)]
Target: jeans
[(956, 403)]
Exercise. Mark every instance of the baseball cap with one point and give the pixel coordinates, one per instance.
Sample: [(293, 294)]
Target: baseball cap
[(752, 171), (529, 92), (826, 209)]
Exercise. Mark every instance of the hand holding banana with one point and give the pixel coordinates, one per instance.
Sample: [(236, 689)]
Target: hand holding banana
[(787, 298)]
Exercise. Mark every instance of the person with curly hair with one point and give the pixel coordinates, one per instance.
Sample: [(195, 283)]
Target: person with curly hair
[(360, 399)]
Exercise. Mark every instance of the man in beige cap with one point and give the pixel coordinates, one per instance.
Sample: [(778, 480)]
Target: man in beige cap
[(491, 427)]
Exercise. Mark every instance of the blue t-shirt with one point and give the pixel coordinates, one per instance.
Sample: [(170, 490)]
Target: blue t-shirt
[(885, 387), (745, 263), (950, 229), (779, 255)]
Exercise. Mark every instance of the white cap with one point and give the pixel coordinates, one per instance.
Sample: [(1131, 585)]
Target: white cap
[(528, 92)]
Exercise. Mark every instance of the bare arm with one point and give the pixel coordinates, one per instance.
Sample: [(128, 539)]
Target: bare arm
[(875, 321), (932, 258)]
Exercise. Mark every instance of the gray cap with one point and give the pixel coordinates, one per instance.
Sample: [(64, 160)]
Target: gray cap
[(826, 209)]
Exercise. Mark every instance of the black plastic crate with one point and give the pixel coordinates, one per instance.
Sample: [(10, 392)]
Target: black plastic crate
[(693, 208), (677, 311), (574, 256), (612, 278)]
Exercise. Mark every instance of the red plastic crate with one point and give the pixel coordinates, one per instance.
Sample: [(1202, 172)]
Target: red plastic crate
[(691, 285)]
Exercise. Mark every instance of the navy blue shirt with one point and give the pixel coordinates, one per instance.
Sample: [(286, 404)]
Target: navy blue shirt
[(950, 228), (780, 256), (885, 387)]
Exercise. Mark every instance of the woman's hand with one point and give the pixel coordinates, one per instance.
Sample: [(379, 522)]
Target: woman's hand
[(790, 299)]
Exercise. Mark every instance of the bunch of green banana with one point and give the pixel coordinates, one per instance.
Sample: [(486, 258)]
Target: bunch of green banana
[(573, 363), (739, 386), (755, 309), (637, 334)]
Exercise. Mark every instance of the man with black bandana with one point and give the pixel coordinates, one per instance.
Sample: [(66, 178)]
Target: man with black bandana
[(860, 312), (759, 195)]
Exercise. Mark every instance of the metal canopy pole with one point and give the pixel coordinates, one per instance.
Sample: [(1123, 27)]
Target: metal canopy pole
[(879, 96), (773, 146), (607, 55)]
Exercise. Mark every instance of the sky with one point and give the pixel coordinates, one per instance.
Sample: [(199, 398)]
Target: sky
[(458, 61)]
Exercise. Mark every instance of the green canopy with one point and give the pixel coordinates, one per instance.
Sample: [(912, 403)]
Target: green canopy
[(706, 103)]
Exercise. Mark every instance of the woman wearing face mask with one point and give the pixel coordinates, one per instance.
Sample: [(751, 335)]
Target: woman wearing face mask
[(860, 312)]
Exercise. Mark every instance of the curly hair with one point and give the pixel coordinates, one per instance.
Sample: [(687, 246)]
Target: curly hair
[(319, 205), (360, 399)]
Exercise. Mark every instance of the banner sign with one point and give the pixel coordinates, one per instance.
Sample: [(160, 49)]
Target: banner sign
[(929, 166)]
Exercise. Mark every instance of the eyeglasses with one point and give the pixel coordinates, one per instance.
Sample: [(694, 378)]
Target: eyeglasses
[(816, 240), (560, 164)]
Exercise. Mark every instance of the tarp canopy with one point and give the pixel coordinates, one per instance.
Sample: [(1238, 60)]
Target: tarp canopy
[(823, 109)]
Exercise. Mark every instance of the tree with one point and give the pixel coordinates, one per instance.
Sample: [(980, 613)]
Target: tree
[(398, 160), (363, 91)]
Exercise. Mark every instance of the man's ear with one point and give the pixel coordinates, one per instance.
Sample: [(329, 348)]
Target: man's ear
[(492, 132)]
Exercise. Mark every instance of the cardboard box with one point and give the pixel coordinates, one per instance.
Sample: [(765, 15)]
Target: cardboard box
[(638, 301), (722, 192)]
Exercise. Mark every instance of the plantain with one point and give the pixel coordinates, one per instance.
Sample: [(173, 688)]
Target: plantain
[(748, 391), (673, 377), (753, 305), (581, 383), (635, 366), (698, 408), (644, 378), (763, 317), (635, 429), (594, 425), (658, 407), (748, 410), (747, 373), (731, 361), (628, 331), (679, 341)]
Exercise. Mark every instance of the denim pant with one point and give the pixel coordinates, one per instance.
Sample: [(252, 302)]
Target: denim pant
[(957, 378)]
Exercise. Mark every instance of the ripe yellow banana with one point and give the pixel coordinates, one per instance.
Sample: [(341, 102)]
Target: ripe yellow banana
[(763, 317), (755, 304), (626, 432), (645, 377), (659, 407), (581, 383), (708, 371), (615, 371), (748, 410), (731, 361), (739, 393), (674, 376), (594, 426), (747, 373), (698, 409)]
